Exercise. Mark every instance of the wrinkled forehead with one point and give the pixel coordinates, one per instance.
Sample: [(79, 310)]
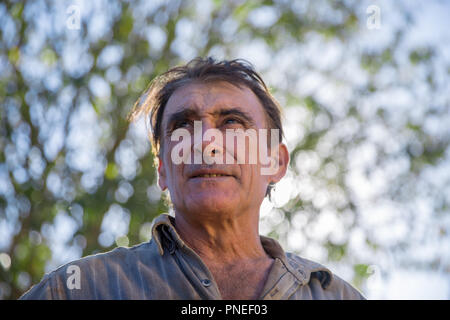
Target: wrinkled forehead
[(208, 98)]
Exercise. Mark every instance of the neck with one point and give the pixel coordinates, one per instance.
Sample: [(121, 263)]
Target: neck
[(224, 240)]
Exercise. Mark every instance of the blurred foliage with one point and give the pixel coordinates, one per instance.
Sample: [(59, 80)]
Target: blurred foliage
[(76, 179)]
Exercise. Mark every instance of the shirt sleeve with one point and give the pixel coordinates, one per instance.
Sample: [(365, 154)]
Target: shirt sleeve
[(41, 291), (343, 290)]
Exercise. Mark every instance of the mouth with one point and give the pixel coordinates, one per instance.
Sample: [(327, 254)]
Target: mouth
[(210, 174), (213, 175)]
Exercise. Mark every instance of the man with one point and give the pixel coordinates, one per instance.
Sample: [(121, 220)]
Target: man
[(211, 247)]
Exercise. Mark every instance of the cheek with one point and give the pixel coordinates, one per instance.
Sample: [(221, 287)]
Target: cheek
[(175, 176), (172, 172), (259, 182), (252, 178)]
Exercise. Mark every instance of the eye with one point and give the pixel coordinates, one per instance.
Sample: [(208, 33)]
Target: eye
[(182, 124), (233, 121)]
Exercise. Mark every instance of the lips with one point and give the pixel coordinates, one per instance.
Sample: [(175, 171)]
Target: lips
[(211, 176), (209, 173)]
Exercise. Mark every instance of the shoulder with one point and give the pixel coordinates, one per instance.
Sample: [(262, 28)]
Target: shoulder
[(321, 282), (97, 263), (89, 273)]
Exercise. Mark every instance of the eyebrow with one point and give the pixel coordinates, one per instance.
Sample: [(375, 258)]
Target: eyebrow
[(180, 116), (192, 113)]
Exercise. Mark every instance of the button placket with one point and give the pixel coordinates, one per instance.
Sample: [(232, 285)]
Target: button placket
[(206, 282), (201, 272)]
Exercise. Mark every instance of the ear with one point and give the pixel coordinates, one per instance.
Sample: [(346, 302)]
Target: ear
[(283, 162), (162, 177)]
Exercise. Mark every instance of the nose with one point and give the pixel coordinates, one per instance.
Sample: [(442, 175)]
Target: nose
[(208, 143)]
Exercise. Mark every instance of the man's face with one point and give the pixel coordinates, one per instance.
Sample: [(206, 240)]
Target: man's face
[(236, 187)]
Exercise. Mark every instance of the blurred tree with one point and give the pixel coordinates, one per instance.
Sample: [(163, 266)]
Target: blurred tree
[(367, 118)]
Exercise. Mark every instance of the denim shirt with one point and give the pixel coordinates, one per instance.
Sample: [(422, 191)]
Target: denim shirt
[(166, 268)]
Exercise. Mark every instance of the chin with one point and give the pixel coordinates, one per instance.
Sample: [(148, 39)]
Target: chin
[(213, 203)]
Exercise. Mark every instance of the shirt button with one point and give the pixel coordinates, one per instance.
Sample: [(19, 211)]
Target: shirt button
[(206, 282)]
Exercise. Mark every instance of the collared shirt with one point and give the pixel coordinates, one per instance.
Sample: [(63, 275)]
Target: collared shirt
[(166, 268)]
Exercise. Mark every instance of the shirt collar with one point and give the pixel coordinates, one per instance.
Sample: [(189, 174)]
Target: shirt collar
[(166, 237)]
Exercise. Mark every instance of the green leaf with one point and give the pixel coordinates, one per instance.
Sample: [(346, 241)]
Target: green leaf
[(111, 171)]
